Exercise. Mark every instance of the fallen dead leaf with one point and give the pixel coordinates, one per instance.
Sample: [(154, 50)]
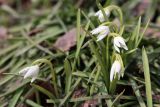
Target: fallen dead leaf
[(35, 31), (90, 103), (2, 2), (152, 32), (79, 3), (65, 42), (7, 2), (3, 33), (140, 9), (79, 93)]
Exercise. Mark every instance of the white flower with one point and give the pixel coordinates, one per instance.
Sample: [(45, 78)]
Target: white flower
[(102, 32), (119, 43), (31, 72), (100, 16), (115, 69)]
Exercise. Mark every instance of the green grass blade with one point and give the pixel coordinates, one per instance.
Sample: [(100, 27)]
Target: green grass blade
[(10, 48), (43, 90), (137, 93), (78, 27), (15, 98), (79, 45), (30, 102), (141, 36), (137, 31), (101, 8), (117, 98), (14, 89), (147, 78), (68, 71)]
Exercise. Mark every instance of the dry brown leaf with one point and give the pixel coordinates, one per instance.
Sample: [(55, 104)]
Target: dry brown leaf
[(65, 42), (3, 33), (35, 31), (2, 2), (90, 103), (152, 32), (141, 7), (79, 93), (7, 2)]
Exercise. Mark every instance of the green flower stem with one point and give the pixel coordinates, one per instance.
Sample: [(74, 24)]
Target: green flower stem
[(110, 24), (101, 8), (95, 80), (113, 85), (119, 58), (113, 34), (108, 2), (119, 11), (101, 63), (107, 52), (52, 72)]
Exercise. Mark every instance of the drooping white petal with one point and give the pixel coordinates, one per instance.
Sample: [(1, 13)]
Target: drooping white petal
[(106, 30), (118, 66), (125, 47), (112, 72), (95, 31), (115, 69), (102, 31), (100, 37), (33, 79), (119, 42), (100, 16), (116, 42), (23, 71), (97, 13), (116, 48), (101, 19), (107, 12), (32, 72)]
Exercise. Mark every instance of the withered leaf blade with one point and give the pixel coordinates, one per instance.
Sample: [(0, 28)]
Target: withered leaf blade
[(141, 7), (3, 33), (67, 41)]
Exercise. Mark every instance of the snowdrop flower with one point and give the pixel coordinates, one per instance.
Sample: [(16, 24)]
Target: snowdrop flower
[(119, 43), (100, 16), (115, 69), (31, 72), (102, 32)]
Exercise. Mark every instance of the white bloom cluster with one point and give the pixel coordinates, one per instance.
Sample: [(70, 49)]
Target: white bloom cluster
[(115, 69), (31, 72), (102, 32), (100, 16), (118, 42)]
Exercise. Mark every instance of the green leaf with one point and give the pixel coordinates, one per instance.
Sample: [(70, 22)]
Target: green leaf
[(78, 27), (79, 45), (14, 89), (10, 48), (68, 71), (147, 78), (14, 70), (30, 102), (137, 31), (117, 98), (15, 98), (141, 36), (43, 90), (137, 93), (101, 8)]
